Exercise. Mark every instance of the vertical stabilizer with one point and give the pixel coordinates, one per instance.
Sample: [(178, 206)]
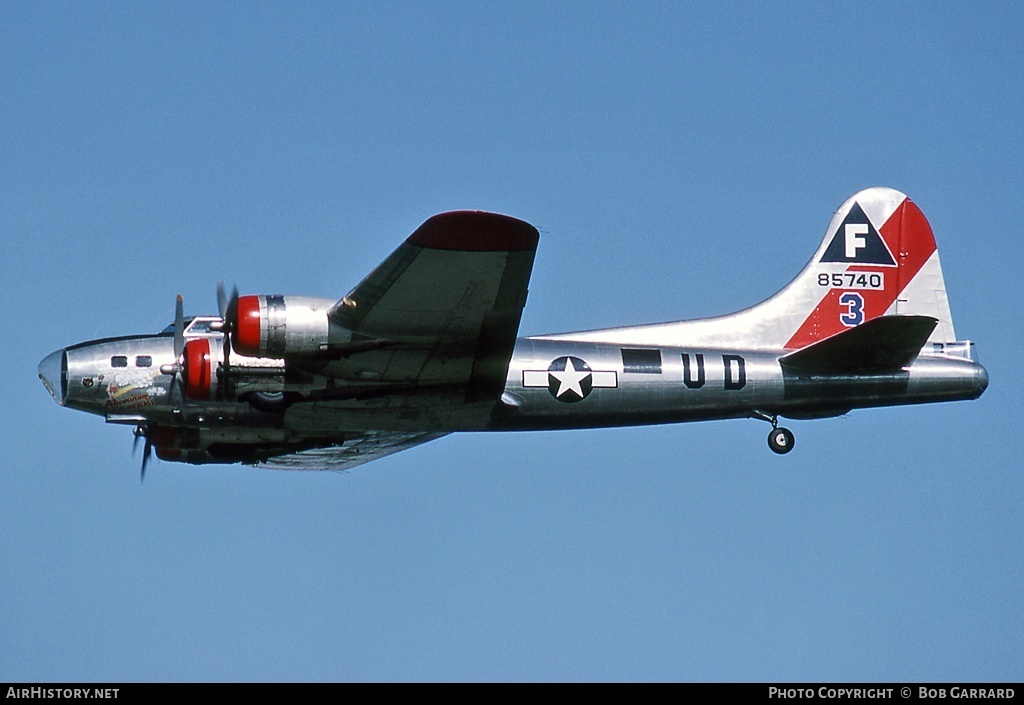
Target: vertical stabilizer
[(878, 258)]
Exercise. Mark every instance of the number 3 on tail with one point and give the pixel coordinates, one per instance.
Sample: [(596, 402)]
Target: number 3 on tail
[(854, 304)]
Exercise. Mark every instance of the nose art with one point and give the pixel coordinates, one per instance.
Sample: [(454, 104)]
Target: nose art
[(53, 373)]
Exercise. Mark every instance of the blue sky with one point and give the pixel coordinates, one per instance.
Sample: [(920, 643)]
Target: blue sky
[(680, 161)]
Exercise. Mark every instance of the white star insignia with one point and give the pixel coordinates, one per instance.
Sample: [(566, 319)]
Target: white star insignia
[(569, 379)]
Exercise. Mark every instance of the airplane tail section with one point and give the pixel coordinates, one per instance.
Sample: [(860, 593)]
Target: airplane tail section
[(878, 258)]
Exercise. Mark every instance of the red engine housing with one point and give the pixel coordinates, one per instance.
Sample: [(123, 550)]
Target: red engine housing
[(275, 326), (198, 371), (248, 327)]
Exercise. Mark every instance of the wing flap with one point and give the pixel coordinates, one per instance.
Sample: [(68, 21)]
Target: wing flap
[(883, 343), (362, 449)]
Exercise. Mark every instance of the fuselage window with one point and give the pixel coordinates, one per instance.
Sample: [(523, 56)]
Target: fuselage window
[(119, 361), (143, 361)]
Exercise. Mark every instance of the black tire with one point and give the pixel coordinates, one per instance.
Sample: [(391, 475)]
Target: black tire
[(780, 440), (271, 402)]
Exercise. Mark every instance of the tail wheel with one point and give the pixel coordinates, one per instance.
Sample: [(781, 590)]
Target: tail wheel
[(780, 440)]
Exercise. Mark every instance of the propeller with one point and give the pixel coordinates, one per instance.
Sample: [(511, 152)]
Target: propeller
[(174, 369), (140, 432), (179, 328), (228, 308), (225, 305), (179, 348)]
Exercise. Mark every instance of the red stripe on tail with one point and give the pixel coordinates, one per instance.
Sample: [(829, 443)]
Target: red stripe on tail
[(909, 237)]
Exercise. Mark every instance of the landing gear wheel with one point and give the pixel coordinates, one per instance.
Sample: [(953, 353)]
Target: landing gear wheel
[(780, 440), (271, 402)]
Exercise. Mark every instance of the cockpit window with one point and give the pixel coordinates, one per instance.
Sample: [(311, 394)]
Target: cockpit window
[(169, 330), (199, 326), (119, 361), (195, 326), (143, 361)]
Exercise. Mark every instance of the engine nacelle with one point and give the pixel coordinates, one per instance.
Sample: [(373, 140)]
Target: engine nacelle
[(225, 444), (275, 326), (200, 369)]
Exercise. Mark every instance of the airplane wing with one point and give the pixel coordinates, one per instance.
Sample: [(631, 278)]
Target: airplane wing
[(433, 329), (367, 447), (448, 301)]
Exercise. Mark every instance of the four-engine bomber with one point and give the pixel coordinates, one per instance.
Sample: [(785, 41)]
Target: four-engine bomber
[(427, 345)]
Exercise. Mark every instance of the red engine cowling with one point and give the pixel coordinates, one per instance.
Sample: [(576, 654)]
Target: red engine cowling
[(166, 442), (275, 326), (200, 369)]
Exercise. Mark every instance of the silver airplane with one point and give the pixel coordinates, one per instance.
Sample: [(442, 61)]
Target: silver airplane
[(426, 345)]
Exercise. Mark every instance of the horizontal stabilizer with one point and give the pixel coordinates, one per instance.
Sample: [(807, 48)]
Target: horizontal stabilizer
[(883, 343)]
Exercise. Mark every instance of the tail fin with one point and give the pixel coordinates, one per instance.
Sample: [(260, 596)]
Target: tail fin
[(878, 258)]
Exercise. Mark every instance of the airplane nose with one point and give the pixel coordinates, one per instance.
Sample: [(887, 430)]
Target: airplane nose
[(53, 373)]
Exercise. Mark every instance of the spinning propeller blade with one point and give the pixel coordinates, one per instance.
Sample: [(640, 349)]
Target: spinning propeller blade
[(179, 328), (177, 366), (147, 450), (228, 311)]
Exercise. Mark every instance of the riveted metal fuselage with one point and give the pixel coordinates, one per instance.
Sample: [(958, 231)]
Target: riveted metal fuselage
[(549, 385), (616, 385)]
